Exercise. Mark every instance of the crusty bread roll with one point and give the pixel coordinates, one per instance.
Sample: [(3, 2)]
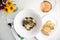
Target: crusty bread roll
[(47, 27)]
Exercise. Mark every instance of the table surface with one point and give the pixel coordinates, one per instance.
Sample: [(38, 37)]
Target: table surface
[(5, 32)]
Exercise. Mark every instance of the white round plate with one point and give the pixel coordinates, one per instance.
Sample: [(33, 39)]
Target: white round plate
[(18, 23), (53, 34), (53, 20)]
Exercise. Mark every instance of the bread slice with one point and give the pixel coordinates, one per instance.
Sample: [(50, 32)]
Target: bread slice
[(47, 27)]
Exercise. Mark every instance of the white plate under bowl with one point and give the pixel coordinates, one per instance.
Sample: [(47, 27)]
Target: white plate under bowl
[(18, 23)]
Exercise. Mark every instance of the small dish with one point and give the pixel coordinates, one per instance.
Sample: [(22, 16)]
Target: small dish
[(52, 34), (52, 21), (53, 4)]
